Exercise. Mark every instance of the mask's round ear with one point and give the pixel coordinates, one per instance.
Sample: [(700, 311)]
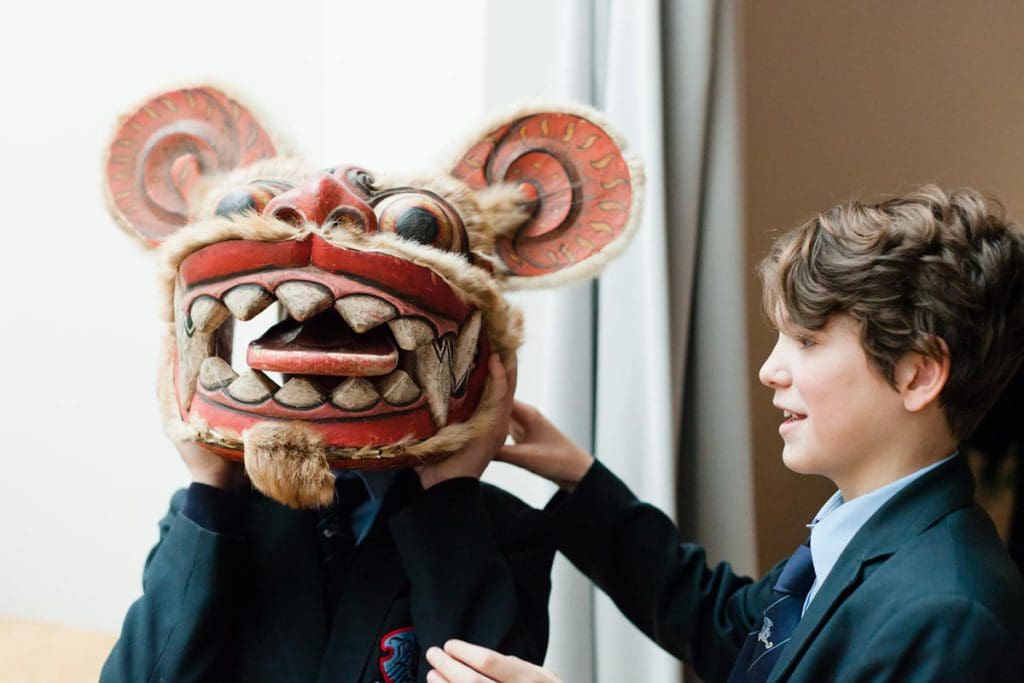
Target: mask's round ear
[(584, 190), (161, 150)]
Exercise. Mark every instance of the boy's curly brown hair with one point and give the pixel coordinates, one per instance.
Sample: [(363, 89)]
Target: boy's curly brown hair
[(913, 270)]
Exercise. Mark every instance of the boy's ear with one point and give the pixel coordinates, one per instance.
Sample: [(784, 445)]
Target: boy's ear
[(921, 378), (581, 191), (163, 149)]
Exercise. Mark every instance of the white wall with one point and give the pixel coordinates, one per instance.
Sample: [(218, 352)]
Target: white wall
[(86, 471)]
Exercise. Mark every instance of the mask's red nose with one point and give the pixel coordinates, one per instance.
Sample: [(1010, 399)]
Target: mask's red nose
[(325, 200)]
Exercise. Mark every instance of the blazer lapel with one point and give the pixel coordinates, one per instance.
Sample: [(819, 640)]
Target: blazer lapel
[(376, 577), (286, 558), (922, 503)]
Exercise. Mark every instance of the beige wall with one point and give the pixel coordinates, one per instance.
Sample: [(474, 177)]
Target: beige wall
[(852, 99)]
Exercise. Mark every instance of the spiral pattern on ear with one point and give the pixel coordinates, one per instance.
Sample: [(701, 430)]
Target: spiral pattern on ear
[(160, 151), (581, 189)]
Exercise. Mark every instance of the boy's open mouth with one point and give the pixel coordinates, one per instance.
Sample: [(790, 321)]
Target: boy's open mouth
[(791, 417), (374, 348)]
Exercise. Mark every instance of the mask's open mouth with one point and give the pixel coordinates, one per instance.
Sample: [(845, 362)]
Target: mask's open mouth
[(372, 350)]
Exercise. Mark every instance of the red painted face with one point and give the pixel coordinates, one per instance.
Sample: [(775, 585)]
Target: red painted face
[(389, 297), (374, 348)]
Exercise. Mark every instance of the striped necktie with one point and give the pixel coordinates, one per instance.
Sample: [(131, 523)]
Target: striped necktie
[(764, 644)]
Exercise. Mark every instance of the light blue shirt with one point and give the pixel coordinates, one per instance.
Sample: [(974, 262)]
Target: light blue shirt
[(839, 520), (377, 485)]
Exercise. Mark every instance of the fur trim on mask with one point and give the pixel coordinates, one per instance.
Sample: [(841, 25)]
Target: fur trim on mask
[(174, 427), (286, 461), (504, 209)]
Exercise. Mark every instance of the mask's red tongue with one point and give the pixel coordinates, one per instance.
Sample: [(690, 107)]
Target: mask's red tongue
[(323, 345)]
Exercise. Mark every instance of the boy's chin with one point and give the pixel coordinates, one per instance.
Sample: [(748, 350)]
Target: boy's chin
[(797, 460)]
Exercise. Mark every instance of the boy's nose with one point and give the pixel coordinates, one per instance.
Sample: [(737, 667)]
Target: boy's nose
[(773, 373)]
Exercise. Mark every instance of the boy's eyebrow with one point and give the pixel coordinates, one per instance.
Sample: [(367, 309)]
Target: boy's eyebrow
[(794, 330)]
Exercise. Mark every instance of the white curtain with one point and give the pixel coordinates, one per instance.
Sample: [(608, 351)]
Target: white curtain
[(608, 361)]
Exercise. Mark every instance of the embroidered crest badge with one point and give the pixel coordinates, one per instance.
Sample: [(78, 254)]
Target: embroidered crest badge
[(766, 634), (400, 652)]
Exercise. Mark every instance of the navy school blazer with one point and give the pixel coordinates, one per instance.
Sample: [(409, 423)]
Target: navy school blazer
[(925, 591), (462, 560)]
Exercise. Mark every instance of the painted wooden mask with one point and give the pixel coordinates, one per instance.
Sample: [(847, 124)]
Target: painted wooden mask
[(384, 293)]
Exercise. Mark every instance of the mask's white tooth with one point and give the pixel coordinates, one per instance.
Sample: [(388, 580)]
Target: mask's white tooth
[(465, 347), (193, 349), (303, 300), (252, 386), (398, 388), (433, 373), (356, 393), (299, 392), (215, 374), (364, 312), (411, 333), (207, 314), (247, 301)]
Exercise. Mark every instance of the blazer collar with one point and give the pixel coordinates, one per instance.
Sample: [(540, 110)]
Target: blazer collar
[(920, 505), (924, 502)]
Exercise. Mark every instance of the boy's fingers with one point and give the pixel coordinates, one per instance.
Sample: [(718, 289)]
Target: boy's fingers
[(434, 677), (476, 656), (512, 375), (453, 670), (523, 455), (526, 418), (520, 410), (496, 665), (498, 375), (516, 430)]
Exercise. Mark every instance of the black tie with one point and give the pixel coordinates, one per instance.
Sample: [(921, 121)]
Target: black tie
[(763, 646), (337, 539)]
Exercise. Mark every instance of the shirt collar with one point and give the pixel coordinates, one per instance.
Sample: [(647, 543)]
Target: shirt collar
[(839, 520), (377, 483)]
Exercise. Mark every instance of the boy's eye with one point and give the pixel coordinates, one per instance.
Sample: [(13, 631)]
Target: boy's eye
[(805, 342)]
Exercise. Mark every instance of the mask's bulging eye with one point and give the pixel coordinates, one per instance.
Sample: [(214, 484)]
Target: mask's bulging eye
[(421, 217), (417, 224), (241, 199)]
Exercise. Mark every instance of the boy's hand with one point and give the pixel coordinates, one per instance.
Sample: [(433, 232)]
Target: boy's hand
[(544, 450), (461, 662), (209, 468), (474, 457)]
